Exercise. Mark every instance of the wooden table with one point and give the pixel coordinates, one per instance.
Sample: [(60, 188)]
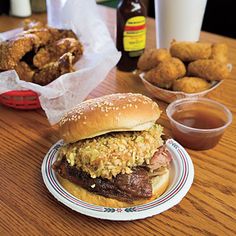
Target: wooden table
[(27, 208)]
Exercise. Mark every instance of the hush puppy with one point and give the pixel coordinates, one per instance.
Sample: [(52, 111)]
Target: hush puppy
[(152, 57), (208, 69), (166, 72), (219, 52), (191, 85), (190, 51)]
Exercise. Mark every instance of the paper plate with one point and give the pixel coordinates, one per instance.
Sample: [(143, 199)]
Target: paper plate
[(181, 178)]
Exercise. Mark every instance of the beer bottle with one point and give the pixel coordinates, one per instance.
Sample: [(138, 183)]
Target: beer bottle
[(131, 33)]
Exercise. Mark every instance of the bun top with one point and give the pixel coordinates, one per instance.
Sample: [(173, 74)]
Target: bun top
[(110, 113)]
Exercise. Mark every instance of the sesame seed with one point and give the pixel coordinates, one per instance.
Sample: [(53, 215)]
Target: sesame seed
[(105, 104)]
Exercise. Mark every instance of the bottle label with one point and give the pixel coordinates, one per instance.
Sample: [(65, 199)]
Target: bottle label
[(135, 35)]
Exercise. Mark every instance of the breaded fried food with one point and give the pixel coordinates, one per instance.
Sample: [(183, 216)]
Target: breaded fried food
[(24, 71), (166, 72), (191, 85), (44, 34), (190, 51), (40, 53), (65, 33), (61, 34), (54, 70), (151, 58), (32, 24), (48, 35), (208, 69), (11, 51), (55, 50), (219, 52)]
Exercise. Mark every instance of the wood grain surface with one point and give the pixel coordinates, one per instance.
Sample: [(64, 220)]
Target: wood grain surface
[(27, 208)]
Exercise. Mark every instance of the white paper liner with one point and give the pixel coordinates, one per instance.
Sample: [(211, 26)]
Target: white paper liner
[(100, 56)]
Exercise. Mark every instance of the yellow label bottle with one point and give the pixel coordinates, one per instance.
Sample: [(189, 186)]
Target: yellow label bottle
[(134, 38), (131, 33)]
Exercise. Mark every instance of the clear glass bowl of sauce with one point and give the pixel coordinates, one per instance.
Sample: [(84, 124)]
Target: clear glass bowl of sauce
[(198, 123)]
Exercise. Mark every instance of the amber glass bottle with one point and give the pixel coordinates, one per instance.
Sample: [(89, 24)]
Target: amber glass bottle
[(131, 33)]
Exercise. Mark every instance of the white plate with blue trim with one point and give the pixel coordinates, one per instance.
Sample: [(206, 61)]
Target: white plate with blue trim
[(181, 178)]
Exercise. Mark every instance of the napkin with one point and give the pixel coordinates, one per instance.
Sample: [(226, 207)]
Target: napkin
[(100, 56)]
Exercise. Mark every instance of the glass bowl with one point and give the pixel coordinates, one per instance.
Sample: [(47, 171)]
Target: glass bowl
[(198, 123)]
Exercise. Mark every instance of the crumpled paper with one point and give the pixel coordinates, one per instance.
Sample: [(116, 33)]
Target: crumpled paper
[(100, 56)]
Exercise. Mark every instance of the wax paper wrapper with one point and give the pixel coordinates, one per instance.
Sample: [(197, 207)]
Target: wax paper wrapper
[(100, 56)]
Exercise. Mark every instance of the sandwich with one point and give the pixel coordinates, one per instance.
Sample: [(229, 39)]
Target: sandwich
[(113, 153)]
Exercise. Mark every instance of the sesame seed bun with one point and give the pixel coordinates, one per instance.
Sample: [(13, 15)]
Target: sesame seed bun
[(115, 112), (159, 185)]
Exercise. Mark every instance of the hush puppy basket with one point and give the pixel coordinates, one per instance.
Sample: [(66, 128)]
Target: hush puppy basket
[(187, 69)]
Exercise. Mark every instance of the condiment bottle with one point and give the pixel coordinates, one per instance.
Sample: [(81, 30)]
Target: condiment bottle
[(20, 8), (131, 33)]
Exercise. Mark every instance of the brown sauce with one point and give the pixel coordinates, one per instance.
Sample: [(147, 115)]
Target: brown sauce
[(198, 119)]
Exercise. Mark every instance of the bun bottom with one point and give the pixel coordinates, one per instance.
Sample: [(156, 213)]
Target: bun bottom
[(159, 185)]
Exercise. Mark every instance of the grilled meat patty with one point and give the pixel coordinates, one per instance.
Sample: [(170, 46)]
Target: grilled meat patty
[(124, 187)]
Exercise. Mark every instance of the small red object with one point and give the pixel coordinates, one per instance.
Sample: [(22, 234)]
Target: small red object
[(20, 99)]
